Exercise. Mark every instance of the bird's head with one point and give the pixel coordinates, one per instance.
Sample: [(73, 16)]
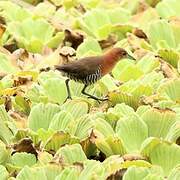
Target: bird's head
[(119, 53)]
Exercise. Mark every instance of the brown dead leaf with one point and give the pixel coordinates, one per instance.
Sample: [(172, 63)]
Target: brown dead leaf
[(80, 8), (135, 42), (110, 41), (66, 54), (24, 59), (25, 145), (2, 30), (2, 20), (19, 119), (2, 75), (132, 157), (142, 6), (20, 54), (118, 175), (11, 47), (166, 110), (167, 69), (79, 166), (149, 100), (139, 33), (4, 51), (89, 144), (22, 80), (178, 141), (8, 103), (139, 53), (73, 37)]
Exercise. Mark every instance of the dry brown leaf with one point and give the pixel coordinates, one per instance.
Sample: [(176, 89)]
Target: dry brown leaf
[(2, 20), (139, 33), (75, 38), (132, 157), (67, 54), (142, 6), (2, 30), (11, 47), (167, 69), (22, 80), (19, 119), (110, 41), (25, 145), (118, 175), (166, 110), (8, 103)]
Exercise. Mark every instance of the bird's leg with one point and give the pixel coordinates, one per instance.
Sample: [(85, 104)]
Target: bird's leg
[(68, 89), (91, 96)]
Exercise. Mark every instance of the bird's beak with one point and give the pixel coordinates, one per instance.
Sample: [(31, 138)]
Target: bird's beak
[(130, 57)]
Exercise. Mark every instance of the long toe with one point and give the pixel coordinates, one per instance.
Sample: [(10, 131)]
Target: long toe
[(98, 99), (68, 98), (104, 99)]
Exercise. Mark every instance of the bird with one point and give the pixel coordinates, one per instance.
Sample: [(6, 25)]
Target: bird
[(89, 70)]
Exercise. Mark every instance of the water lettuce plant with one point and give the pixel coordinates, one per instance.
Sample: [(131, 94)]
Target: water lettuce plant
[(133, 135)]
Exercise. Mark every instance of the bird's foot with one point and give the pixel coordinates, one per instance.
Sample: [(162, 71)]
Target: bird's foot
[(68, 98), (98, 99)]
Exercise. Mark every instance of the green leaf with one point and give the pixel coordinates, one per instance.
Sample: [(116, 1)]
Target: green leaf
[(130, 72), (89, 47), (92, 169), (170, 55), (33, 39), (158, 121), (136, 173), (76, 108), (72, 153), (44, 158), (174, 174), (44, 9), (162, 153), (13, 12), (41, 116), (68, 173), (57, 140), (96, 23), (119, 15), (52, 170), (31, 173), (82, 127), (133, 131), (55, 89), (22, 159), (103, 127), (159, 31), (166, 155), (148, 63), (121, 66), (3, 173), (4, 153), (6, 65), (170, 89), (174, 132), (61, 121), (5, 132), (110, 145), (173, 8)]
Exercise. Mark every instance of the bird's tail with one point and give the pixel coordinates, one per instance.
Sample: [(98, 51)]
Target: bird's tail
[(61, 68)]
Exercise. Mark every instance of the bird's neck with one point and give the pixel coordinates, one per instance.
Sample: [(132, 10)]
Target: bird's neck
[(109, 61), (111, 57)]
